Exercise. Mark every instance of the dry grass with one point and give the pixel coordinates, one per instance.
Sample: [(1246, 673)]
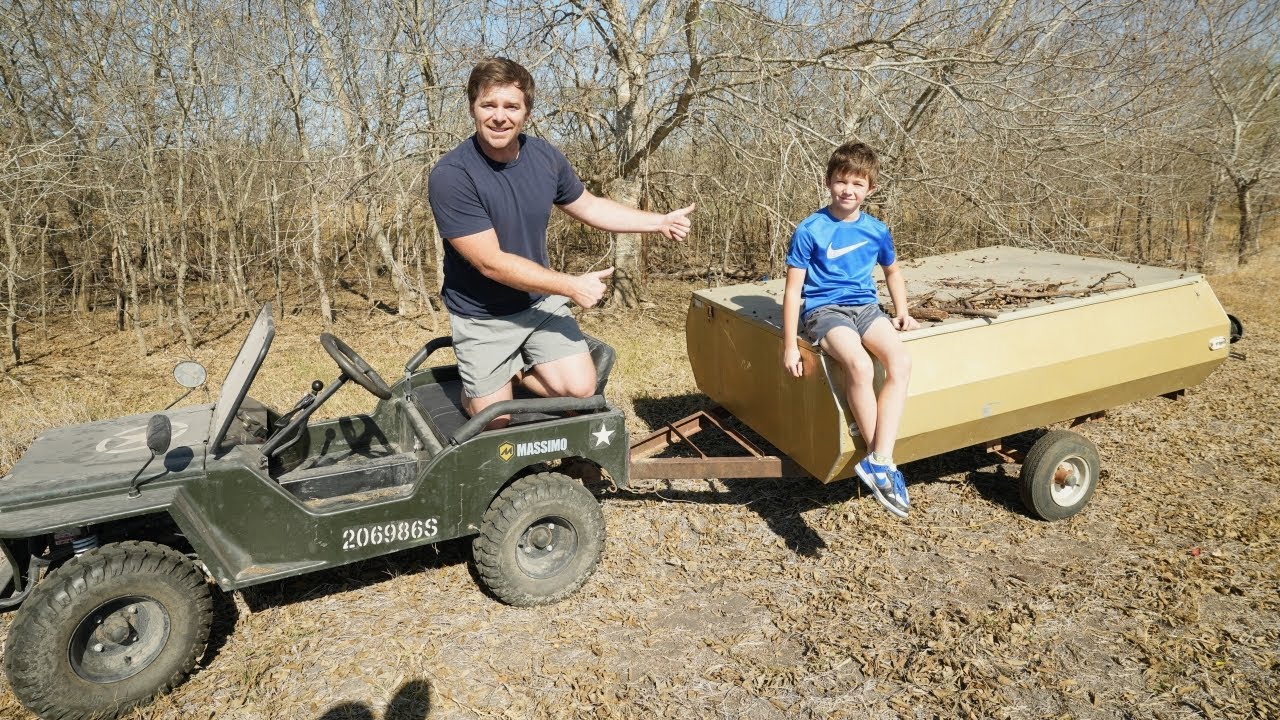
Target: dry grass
[(768, 599)]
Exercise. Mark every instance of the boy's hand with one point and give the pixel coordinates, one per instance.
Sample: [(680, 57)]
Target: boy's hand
[(792, 362), (675, 224), (906, 322)]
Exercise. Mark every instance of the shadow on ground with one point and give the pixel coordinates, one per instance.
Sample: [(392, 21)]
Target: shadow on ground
[(359, 574), (412, 701), (781, 502)]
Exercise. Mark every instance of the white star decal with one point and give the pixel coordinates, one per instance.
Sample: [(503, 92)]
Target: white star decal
[(602, 436)]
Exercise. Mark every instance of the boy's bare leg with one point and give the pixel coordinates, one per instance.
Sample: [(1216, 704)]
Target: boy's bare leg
[(572, 376), (845, 346), (882, 341)]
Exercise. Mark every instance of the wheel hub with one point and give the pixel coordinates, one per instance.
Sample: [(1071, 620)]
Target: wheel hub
[(119, 639), (541, 537), (1069, 483), (116, 629), (546, 547)]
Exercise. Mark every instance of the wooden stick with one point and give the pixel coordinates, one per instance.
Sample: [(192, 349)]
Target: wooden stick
[(931, 314), (971, 312)]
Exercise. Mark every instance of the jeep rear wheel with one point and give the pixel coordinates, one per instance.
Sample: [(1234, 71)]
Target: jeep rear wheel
[(108, 631), (540, 540)]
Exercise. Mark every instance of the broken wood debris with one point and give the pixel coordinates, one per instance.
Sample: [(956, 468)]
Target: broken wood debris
[(991, 300)]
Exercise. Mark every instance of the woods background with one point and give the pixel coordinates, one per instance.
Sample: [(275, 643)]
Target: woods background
[(166, 159)]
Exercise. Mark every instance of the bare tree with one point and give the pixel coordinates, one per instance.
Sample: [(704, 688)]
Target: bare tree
[(180, 156), (1233, 135)]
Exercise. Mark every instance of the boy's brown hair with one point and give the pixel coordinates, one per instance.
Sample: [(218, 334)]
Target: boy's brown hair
[(499, 71), (854, 158)]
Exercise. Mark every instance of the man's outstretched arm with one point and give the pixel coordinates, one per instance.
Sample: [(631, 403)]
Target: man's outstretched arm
[(605, 214), (484, 253)]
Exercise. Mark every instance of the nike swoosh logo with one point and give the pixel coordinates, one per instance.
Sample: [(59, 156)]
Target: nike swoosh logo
[(833, 253)]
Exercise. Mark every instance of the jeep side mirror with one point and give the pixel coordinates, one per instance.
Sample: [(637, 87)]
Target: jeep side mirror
[(159, 434), (189, 374)]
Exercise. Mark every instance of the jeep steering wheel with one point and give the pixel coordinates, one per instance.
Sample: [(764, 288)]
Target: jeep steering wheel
[(354, 366)]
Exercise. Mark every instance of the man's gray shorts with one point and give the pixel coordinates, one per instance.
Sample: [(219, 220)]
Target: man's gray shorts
[(492, 350), (859, 318)]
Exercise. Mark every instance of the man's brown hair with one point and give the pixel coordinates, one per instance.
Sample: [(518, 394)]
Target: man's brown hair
[(499, 71), (854, 158)]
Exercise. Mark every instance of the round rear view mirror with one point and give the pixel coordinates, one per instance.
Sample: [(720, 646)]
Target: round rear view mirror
[(189, 374)]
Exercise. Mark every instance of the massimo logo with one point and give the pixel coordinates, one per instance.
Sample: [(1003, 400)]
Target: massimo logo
[(506, 450)]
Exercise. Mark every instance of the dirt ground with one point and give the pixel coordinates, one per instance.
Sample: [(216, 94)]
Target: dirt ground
[(763, 598)]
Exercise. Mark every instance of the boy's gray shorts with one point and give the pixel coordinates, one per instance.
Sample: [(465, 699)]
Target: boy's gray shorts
[(857, 317), (492, 350)]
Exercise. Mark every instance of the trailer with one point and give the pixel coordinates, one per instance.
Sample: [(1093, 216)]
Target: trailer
[(1011, 340)]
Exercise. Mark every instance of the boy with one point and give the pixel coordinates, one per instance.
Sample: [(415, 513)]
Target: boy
[(831, 293)]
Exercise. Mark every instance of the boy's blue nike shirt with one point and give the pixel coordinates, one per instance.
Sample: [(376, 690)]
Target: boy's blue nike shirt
[(838, 259)]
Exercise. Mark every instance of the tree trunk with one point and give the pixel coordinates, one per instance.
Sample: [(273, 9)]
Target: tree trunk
[(1118, 229), (41, 264), (273, 230), (407, 297), (234, 263), (628, 275), (180, 263), (1246, 229), (134, 306), (317, 254), (11, 295), (1187, 241), (1206, 232), (117, 279)]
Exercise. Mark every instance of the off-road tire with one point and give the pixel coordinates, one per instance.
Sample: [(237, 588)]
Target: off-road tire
[(540, 540), (1073, 459), (62, 619)]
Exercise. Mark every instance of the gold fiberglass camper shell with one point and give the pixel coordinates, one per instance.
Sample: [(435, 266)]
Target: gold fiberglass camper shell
[(1011, 340)]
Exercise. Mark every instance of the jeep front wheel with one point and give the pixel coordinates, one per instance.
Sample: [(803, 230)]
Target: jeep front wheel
[(540, 540), (108, 631)]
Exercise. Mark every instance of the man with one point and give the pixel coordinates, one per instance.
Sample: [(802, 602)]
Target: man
[(492, 197)]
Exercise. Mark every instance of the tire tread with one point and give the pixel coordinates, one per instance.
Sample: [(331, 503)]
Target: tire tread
[(504, 514), (32, 675)]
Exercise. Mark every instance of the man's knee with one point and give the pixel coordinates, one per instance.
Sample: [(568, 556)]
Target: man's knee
[(574, 376), (578, 386)]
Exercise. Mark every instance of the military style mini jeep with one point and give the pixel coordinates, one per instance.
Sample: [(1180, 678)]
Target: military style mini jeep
[(106, 554)]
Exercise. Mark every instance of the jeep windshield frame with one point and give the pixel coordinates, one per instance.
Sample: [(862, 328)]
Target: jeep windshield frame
[(245, 368)]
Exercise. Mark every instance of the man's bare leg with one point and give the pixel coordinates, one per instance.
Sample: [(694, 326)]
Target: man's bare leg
[(475, 405), (572, 376)]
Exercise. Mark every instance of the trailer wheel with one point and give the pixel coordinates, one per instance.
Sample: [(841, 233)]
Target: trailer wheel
[(1059, 475), (540, 540), (108, 631)]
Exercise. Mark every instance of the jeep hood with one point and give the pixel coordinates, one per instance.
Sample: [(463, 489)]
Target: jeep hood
[(100, 458)]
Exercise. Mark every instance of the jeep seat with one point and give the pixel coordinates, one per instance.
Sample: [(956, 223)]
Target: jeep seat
[(602, 357)]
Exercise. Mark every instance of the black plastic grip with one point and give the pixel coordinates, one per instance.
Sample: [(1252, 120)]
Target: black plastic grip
[(540, 405)]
